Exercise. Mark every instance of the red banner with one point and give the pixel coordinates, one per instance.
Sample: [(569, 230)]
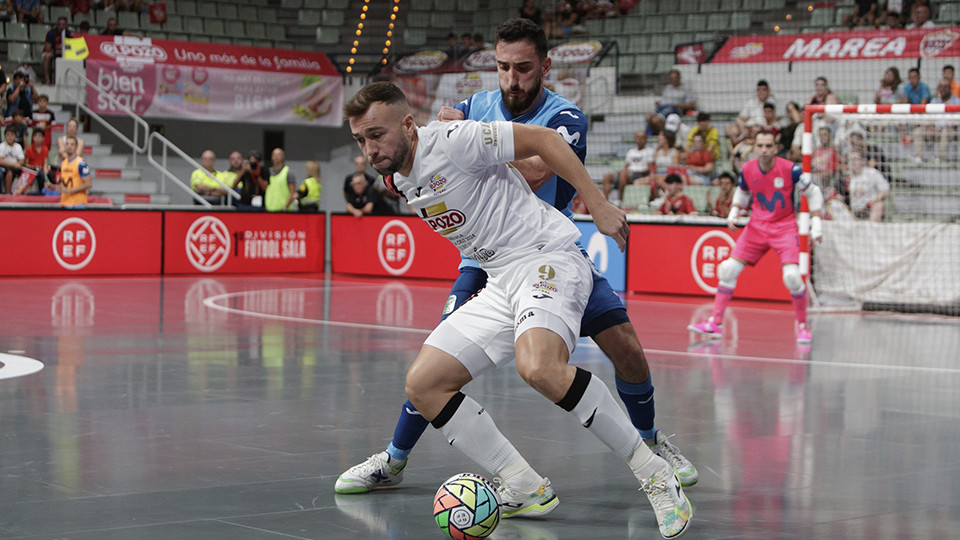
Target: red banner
[(390, 246), (90, 242), (215, 82), (854, 45), (675, 259), (226, 243)]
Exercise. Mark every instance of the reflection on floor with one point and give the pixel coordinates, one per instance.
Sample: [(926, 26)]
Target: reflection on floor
[(226, 407)]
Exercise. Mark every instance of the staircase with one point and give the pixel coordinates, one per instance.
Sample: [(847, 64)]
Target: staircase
[(115, 176)]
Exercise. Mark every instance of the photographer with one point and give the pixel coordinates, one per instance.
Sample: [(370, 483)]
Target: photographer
[(250, 183), (20, 95)]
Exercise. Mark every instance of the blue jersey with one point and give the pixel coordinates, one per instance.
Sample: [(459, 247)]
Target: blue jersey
[(553, 111)]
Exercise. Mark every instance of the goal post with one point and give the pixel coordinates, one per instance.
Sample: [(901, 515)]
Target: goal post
[(892, 251)]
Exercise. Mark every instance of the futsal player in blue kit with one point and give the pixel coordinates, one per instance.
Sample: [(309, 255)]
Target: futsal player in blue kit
[(522, 66)]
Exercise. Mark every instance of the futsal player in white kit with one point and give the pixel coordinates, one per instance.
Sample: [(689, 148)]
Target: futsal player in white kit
[(457, 177)]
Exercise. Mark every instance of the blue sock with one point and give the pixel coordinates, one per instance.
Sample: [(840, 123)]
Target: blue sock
[(638, 397), (410, 426)]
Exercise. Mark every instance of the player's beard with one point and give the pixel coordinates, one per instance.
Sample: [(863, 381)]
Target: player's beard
[(396, 160), (519, 105)]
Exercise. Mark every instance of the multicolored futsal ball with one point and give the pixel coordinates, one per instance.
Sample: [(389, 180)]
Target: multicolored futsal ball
[(466, 507)]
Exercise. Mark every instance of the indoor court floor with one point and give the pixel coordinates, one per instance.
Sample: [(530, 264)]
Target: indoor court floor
[(225, 407)]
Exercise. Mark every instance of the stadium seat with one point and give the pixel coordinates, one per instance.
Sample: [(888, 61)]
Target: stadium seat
[(659, 43), (338, 4), (193, 25), (688, 6), (698, 194), (314, 4), (612, 26), (637, 43), (644, 9), (822, 17), (235, 29), (696, 22), (728, 6), (414, 36), (772, 5), (645, 64), (21, 53), (467, 5), (949, 14), (308, 17), (58, 11), (441, 19), (332, 17), (418, 19), (626, 63), (276, 32), (636, 198), (665, 62), (268, 14), (653, 24), (228, 11), (186, 7), (38, 32), (256, 30), (18, 32), (214, 27), (740, 20), (634, 25), (128, 20), (327, 35), (174, 24), (207, 9), (291, 4), (247, 13), (718, 22), (708, 6)]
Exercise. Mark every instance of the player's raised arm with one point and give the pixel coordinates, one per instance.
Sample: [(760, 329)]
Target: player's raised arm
[(550, 146)]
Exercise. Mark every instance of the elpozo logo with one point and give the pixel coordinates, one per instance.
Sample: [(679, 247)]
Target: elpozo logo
[(74, 243), (207, 244), (132, 51)]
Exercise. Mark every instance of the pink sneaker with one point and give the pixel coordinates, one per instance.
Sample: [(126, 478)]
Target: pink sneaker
[(803, 334), (707, 328)]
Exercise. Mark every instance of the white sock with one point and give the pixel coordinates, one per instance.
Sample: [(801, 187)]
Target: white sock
[(472, 431), (597, 411), (519, 475)]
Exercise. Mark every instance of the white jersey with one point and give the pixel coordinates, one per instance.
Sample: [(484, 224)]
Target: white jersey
[(463, 188), (865, 187)]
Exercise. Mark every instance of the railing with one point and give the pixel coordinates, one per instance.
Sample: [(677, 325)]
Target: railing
[(161, 166), (141, 140)]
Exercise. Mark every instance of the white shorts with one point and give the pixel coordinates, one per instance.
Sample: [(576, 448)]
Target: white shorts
[(548, 290)]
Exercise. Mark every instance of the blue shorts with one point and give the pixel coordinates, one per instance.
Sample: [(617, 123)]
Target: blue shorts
[(604, 308)]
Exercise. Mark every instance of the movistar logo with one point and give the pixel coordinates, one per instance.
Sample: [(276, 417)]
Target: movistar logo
[(771, 205), (571, 139)]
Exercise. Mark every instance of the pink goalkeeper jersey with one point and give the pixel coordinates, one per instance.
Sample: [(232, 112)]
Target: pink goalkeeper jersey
[(771, 192)]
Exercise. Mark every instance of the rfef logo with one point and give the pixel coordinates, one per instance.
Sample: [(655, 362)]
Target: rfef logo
[(207, 244), (395, 247), (74, 243), (712, 248)]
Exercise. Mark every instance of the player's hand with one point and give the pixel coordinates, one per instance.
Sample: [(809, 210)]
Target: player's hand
[(732, 224), (816, 229), (612, 222), (449, 114)]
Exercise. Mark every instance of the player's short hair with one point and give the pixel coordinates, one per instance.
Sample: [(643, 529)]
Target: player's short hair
[(769, 105), (824, 79), (384, 92), (765, 131), (698, 134), (673, 179), (69, 137), (39, 130), (514, 30), (703, 116), (948, 66), (911, 70), (726, 174), (9, 129), (763, 82)]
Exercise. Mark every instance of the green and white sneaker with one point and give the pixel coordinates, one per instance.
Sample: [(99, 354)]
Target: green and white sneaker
[(671, 505), (379, 470), (517, 503), (686, 472)]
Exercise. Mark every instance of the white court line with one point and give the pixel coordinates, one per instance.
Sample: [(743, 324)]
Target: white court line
[(210, 302), (17, 366)]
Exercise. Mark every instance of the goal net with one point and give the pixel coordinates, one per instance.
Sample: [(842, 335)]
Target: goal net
[(891, 181)]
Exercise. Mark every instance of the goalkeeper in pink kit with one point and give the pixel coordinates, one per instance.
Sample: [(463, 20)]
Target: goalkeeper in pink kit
[(767, 186)]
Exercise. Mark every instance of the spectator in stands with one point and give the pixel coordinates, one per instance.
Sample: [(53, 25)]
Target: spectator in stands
[(791, 136), (925, 133), (84, 28), (637, 166), (595, 9), (75, 179), (28, 11), (566, 20), (479, 43), (699, 161), (677, 98), (70, 131), (35, 156), (771, 122), (868, 189), (466, 43), (124, 5), (44, 118), (711, 135), (875, 158), (675, 201), (453, 49), (948, 74), (864, 14), (11, 158), (7, 13), (231, 176), (19, 124), (359, 167), (743, 151), (308, 194), (204, 179), (530, 10), (752, 112), (825, 161), (250, 181), (720, 207), (889, 91), (111, 30), (914, 91), (890, 20), (282, 185), (20, 94), (920, 17), (822, 95), (366, 200), (53, 47), (665, 156)]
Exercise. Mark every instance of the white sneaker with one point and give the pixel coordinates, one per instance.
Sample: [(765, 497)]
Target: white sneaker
[(379, 470), (686, 472), (671, 506), (517, 503)]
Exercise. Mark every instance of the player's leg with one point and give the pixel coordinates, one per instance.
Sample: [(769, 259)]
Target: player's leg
[(605, 320), (786, 242), (385, 468), (546, 335), (727, 271)]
